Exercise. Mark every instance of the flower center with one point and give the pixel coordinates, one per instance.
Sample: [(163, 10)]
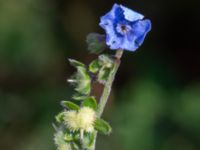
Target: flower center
[(123, 29)]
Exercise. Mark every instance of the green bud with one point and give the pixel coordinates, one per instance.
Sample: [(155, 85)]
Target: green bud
[(95, 66), (103, 75), (103, 67), (106, 61), (81, 81), (96, 43)]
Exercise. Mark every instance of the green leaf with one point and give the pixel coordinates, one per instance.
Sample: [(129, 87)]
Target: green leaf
[(76, 63), (70, 105), (90, 102), (96, 43), (102, 126), (94, 66), (59, 117)]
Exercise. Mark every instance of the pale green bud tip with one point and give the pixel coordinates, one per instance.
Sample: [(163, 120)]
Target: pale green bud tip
[(86, 117), (70, 120), (80, 120)]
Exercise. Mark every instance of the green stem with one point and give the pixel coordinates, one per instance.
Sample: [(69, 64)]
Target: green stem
[(107, 89), (108, 84)]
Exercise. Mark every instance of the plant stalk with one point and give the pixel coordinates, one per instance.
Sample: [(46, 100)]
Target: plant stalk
[(107, 89), (108, 84)]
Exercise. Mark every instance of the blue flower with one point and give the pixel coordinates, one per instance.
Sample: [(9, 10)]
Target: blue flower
[(125, 28)]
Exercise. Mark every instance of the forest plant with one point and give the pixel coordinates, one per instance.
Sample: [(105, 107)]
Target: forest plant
[(80, 121)]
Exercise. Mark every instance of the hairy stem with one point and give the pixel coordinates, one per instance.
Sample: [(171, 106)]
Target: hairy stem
[(108, 84), (107, 88)]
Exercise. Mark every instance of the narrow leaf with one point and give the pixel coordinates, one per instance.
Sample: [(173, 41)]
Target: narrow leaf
[(79, 97), (70, 105), (76, 63), (102, 126)]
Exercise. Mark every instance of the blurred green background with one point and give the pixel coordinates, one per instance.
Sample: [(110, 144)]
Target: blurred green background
[(155, 102)]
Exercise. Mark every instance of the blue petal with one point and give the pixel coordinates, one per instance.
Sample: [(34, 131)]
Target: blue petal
[(134, 39), (119, 15), (129, 42), (112, 40), (111, 36), (140, 29), (107, 23), (131, 15), (109, 16)]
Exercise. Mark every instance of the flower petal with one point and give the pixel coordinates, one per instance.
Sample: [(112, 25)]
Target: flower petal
[(140, 29), (131, 15), (113, 41), (111, 36), (129, 42), (108, 18), (107, 23)]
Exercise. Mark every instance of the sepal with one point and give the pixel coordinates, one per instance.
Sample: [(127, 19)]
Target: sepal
[(90, 102), (76, 63), (59, 117)]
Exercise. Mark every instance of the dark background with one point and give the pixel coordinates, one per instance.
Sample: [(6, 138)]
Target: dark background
[(155, 101)]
